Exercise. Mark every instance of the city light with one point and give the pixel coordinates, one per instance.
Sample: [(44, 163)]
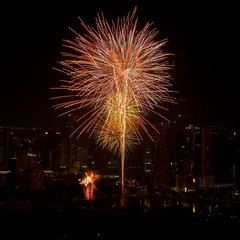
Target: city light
[(126, 160)]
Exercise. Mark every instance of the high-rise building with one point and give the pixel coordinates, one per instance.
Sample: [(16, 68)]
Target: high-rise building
[(28, 174), (206, 151), (69, 146), (184, 152), (50, 150), (4, 148), (186, 111), (160, 156), (76, 151), (176, 144), (223, 154), (37, 142)]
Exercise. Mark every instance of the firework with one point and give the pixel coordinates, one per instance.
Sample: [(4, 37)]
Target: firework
[(88, 185), (118, 74), (111, 130)]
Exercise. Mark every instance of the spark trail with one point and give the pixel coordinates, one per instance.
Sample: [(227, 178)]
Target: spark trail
[(88, 185), (118, 74)]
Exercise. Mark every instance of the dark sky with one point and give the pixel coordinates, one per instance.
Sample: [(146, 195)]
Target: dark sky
[(202, 35)]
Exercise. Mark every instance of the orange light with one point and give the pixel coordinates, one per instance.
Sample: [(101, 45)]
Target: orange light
[(88, 184)]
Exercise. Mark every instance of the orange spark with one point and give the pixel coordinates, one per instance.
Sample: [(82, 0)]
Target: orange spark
[(119, 75), (88, 184)]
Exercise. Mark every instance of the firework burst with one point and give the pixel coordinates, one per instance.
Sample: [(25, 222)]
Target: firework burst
[(119, 75), (111, 130), (88, 184)]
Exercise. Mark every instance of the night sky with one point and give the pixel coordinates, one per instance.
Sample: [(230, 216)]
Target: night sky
[(202, 35)]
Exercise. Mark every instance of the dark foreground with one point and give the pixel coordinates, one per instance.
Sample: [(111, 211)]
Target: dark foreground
[(102, 220)]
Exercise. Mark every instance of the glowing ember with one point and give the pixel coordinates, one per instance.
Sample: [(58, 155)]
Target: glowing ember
[(88, 184)]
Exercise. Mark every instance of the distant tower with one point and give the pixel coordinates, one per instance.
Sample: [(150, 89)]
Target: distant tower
[(74, 150), (68, 148), (160, 155), (206, 165), (209, 180), (28, 174), (5, 135)]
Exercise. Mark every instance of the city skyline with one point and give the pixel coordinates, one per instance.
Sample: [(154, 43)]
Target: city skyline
[(201, 38), (185, 183), (182, 152)]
